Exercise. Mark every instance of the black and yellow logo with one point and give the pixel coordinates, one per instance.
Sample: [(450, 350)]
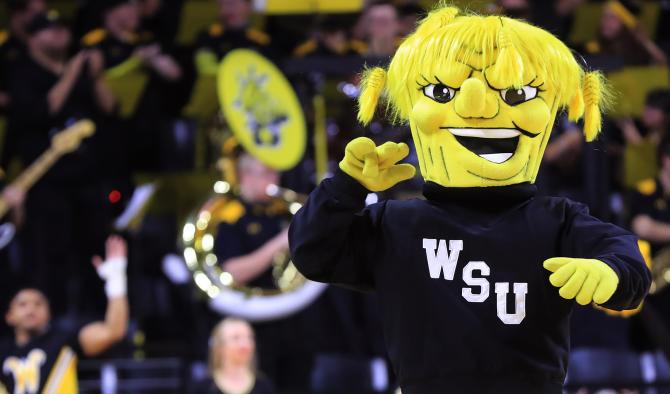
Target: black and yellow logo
[(26, 371), (262, 109)]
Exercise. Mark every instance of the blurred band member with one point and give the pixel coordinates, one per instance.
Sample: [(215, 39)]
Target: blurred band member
[(381, 29), (125, 47), (42, 358), (650, 204), (643, 138), (232, 360), (233, 30), (248, 243), (130, 53), (21, 13), (67, 210), (622, 35), (13, 42), (331, 39)]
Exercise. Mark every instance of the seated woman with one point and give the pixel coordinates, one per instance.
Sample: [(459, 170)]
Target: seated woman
[(232, 360)]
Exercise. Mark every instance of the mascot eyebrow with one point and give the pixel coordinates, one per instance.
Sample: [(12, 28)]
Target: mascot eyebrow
[(444, 37)]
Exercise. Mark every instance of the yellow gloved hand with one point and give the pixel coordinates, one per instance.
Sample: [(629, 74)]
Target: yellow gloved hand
[(588, 280), (375, 166)]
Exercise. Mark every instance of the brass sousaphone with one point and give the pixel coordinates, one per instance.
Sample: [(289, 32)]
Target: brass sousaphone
[(265, 116)]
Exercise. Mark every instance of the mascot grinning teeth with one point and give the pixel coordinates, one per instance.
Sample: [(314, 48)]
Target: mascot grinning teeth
[(476, 282)]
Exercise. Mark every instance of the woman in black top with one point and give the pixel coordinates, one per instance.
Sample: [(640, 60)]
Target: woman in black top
[(232, 361)]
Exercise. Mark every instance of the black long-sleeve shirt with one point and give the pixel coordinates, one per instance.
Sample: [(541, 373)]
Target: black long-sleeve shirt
[(32, 125), (466, 303)]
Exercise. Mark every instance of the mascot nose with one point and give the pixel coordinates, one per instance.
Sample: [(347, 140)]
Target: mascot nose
[(472, 101)]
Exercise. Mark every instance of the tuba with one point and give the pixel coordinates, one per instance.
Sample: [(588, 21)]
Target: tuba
[(266, 119), (660, 271)]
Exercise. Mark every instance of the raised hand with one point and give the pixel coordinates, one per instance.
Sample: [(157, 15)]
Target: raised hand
[(587, 280), (113, 269), (375, 167), (96, 63), (148, 52)]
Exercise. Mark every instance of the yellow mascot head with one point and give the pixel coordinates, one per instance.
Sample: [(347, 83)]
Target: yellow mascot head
[(481, 94)]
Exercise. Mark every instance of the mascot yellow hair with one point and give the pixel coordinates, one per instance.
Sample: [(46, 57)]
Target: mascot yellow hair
[(502, 81)]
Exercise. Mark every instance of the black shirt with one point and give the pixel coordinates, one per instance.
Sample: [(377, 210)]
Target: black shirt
[(314, 47), (466, 305), (220, 40), (115, 51), (248, 230), (34, 126), (649, 199), (12, 50), (48, 359), (261, 386)]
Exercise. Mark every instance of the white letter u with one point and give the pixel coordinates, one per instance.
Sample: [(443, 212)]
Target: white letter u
[(520, 291)]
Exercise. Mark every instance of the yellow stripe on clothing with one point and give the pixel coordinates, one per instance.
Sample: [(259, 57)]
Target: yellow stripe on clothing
[(63, 376)]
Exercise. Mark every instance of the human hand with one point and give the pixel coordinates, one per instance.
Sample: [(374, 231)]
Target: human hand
[(629, 130), (587, 280), (96, 63), (14, 196), (76, 63), (148, 52), (280, 240), (375, 167), (113, 269)]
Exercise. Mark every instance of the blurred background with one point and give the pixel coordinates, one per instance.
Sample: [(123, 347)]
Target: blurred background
[(204, 219)]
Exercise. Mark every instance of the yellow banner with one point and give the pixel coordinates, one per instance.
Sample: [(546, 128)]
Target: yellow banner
[(307, 6)]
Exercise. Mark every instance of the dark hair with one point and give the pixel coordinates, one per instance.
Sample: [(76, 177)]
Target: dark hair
[(21, 289), (44, 21), (411, 9), (659, 98), (377, 3), (111, 4), (331, 23)]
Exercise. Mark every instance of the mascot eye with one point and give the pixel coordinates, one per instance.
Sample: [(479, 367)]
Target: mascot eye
[(517, 96), (439, 92)]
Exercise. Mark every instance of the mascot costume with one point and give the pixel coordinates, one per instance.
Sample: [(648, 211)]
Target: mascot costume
[(477, 281)]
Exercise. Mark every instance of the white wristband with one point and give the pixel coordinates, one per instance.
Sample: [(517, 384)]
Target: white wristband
[(113, 272), (116, 287)]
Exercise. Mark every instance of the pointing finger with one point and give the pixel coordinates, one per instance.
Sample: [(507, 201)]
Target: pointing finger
[(554, 263), (392, 154), (585, 295), (560, 277), (604, 291), (570, 289), (360, 147), (402, 172)]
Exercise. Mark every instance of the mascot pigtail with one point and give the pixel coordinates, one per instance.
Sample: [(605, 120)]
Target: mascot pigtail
[(372, 86), (595, 99), (509, 64)]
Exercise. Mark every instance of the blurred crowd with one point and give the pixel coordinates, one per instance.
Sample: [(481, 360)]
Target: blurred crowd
[(143, 71)]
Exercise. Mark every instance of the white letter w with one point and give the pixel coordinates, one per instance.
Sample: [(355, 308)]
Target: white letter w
[(441, 260)]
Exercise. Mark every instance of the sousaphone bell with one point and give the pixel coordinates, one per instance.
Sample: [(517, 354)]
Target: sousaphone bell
[(266, 119)]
